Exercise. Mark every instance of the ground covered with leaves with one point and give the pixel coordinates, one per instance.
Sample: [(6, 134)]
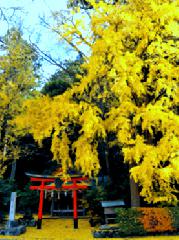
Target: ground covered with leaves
[(62, 229)]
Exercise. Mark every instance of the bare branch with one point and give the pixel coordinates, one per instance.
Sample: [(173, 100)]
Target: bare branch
[(1, 40), (47, 57), (7, 14), (3, 16)]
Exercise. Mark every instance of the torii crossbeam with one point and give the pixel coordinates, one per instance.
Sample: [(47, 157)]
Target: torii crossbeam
[(47, 182)]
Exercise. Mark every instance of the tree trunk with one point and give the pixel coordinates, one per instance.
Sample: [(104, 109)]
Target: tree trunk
[(135, 198), (13, 171), (107, 163), (134, 190), (4, 151), (106, 154)]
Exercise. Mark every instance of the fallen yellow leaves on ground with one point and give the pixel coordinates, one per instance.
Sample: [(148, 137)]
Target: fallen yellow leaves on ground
[(62, 229)]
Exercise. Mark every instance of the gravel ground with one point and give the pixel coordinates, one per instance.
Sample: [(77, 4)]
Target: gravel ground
[(62, 229)]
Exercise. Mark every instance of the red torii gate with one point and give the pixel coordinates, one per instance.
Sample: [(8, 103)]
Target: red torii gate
[(74, 184)]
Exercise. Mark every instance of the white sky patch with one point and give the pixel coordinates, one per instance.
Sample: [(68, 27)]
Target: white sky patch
[(29, 21)]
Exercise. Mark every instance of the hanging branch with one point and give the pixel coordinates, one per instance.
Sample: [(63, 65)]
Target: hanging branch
[(47, 25)]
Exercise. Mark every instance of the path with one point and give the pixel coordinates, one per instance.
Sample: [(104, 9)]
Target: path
[(62, 229)]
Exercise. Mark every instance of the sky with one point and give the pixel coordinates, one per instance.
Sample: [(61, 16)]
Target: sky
[(32, 28)]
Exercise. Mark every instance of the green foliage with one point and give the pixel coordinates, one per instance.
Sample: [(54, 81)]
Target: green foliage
[(27, 200), (63, 79), (128, 221), (174, 211), (93, 199), (55, 87), (6, 187)]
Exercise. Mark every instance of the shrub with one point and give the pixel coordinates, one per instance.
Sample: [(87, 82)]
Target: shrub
[(6, 187), (156, 219), (174, 211), (129, 223), (93, 198), (27, 200), (148, 220)]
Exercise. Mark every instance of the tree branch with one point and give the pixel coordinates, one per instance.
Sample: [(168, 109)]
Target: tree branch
[(47, 57), (47, 25)]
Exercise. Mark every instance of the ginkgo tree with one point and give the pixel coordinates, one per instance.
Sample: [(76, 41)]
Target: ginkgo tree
[(130, 89), (17, 82)]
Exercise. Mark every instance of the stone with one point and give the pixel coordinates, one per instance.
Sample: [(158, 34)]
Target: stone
[(15, 231), (104, 227), (12, 210), (11, 224), (27, 222), (97, 234)]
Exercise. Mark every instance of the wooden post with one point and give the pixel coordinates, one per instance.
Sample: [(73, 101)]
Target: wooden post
[(40, 210), (52, 204), (75, 210)]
